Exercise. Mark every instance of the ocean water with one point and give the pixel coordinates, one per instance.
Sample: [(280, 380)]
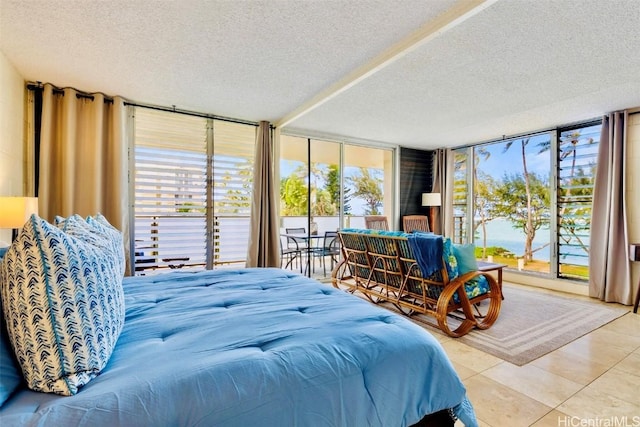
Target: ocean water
[(500, 232)]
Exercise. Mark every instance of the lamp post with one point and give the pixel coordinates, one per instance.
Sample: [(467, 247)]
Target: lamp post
[(430, 200), (15, 211)]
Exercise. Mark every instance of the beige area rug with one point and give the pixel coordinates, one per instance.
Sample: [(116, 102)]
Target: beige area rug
[(532, 324)]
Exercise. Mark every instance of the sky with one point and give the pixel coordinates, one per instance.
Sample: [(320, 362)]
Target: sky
[(510, 162)]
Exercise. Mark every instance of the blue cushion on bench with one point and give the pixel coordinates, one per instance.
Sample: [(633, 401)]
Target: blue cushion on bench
[(466, 257)]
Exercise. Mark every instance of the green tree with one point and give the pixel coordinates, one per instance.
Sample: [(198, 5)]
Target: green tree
[(235, 200), (296, 194), (529, 227), (293, 196), (485, 200), (368, 186), (483, 193), (524, 201), (333, 187)]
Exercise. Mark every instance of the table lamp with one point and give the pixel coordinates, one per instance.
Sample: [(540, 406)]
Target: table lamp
[(431, 199), (15, 211)]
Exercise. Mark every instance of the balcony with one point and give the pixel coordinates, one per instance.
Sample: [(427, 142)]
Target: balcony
[(167, 242)]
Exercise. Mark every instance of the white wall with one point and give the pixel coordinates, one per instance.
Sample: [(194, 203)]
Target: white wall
[(12, 133)]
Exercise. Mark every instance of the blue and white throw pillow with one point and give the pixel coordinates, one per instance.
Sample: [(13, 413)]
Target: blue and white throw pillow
[(64, 304), (97, 231)]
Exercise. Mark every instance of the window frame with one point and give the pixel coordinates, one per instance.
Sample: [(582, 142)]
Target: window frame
[(210, 205), (554, 188)]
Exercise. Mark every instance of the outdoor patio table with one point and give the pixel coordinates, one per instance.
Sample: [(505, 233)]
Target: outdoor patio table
[(309, 241)]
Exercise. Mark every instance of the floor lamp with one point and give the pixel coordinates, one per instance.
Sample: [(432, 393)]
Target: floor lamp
[(15, 211), (430, 200)]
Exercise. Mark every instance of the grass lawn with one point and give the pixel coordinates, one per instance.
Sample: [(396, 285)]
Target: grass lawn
[(501, 256)]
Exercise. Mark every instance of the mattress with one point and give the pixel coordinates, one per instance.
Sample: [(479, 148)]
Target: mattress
[(261, 347)]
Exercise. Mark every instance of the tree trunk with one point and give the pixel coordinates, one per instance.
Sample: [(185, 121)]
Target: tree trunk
[(528, 229)]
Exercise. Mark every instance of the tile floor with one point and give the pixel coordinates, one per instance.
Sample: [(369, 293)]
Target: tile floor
[(592, 381)]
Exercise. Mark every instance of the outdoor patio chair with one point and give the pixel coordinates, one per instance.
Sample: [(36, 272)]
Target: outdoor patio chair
[(290, 253), (330, 248), (297, 242)]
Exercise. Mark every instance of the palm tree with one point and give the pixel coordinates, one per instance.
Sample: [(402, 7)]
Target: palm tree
[(482, 192), (530, 225)]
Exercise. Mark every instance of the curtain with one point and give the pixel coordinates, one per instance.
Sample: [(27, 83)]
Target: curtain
[(264, 237), (443, 184), (83, 157), (609, 269)]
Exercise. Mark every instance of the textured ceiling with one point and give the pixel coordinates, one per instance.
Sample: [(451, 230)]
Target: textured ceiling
[(424, 73)]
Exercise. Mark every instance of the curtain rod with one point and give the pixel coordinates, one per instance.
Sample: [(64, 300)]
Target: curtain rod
[(81, 94), (60, 91), (173, 109)]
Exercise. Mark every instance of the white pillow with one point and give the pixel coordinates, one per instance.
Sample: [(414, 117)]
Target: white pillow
[(63, 302)]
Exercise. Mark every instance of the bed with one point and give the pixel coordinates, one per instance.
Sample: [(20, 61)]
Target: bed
[(248, 347)]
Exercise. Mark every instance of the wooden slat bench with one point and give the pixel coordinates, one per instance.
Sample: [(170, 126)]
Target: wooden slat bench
[(382, 266)]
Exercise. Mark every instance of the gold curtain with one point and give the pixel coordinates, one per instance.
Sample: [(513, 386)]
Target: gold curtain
[(609, 266), (264, 238), (83, 157), (443, 183)]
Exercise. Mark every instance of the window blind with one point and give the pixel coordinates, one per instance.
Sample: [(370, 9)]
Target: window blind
[(577, 155), (192, 189)]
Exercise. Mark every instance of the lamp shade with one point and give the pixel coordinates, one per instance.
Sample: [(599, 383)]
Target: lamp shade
[(431, 199), (15, 211)]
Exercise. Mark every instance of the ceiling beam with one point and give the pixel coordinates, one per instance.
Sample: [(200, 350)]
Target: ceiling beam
[(460, 12)]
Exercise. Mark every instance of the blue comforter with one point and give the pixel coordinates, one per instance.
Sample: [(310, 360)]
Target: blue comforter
[(254, 347)]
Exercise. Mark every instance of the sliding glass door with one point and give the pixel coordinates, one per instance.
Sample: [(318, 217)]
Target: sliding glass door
[(328, 185), (310, 184), (368, 184)]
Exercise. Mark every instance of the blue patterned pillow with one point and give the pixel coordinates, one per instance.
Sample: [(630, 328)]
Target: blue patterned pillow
[(97, 231), (64, 304), (450, 258)]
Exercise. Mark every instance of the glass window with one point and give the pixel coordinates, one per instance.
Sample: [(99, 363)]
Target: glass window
[(461, 196), (170, 196), (577, 155), (359, 185), (327, 184), (233, 160), (512, 209), (368, 176), (181, 221), (527, 214), (310, 181)]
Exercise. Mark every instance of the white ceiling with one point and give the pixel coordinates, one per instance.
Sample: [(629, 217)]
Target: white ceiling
[(419, 73)]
